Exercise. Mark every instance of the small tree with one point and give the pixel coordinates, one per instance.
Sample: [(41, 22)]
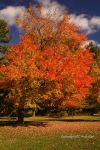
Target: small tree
[(4, 37)]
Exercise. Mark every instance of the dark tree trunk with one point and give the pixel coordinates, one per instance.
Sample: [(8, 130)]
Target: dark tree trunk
[(20, 115), (34, 113)]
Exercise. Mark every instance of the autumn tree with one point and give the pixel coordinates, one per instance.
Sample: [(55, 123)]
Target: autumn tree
[(59, 41), (47, 64), (19, 73)]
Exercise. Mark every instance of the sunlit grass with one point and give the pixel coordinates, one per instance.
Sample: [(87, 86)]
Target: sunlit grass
[(64, 141), (46, 118), (69, 118), (44, 133)]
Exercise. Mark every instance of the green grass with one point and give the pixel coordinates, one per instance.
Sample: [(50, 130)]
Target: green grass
[(46, 118), (69, 118), (72, 141), (33, 137)]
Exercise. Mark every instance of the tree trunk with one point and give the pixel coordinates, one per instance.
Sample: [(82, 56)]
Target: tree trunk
[(20, 115), (34, 113)]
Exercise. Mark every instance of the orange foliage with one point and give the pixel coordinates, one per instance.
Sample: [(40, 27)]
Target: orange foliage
[(21, 60), (53, 51), (46, 32)]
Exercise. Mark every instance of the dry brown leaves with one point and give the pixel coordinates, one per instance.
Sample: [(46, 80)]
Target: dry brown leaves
[(51, 128)]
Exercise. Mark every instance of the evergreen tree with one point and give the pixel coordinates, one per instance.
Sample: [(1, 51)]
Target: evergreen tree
[(4, 39), (93, 99)]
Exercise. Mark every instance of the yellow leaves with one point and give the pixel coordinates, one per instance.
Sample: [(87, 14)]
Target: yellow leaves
[(58, 86), (16, 104), (58, 94), (66, 17), (29, 105), (45, 97), (18, 21)]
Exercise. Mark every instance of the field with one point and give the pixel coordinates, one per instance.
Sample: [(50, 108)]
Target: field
[(43, 133)]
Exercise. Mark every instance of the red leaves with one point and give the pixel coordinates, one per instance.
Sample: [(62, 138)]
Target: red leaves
[(52, 51), (73, 67), (21, 59), (25, 60)]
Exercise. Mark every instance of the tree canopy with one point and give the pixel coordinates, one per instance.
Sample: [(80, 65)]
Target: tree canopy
[(49, 63)]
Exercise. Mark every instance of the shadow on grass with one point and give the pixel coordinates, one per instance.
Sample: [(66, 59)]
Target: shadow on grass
[(78, 120), (70, 120), (25, 124), (44, 122)]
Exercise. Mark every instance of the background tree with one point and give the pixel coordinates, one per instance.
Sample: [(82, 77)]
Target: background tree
[(93, 99), (4, 39), (4, 36)]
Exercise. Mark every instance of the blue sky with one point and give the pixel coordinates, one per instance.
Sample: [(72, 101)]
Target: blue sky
[(84, 13)]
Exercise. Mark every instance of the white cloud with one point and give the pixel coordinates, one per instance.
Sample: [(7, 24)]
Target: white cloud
[(96, 21), (90, 41), (52, 9), (55, 11), (95, 43), (10, 13), (86, 24)]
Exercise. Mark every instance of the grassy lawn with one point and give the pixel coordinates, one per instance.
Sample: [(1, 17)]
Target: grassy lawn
[(69, 118), (65, 141), (46, 118), (43, 133)]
